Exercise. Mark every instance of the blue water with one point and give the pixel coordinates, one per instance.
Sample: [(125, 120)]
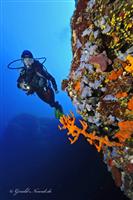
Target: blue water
[(34, 156), (43, 27), (33, 152)]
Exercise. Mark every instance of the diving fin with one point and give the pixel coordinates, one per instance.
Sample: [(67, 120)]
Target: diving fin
[(58, 113)]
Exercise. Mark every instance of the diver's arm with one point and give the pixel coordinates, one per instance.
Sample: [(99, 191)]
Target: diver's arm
[(22, 84), (20, 80), (51, 78), (40, 72)]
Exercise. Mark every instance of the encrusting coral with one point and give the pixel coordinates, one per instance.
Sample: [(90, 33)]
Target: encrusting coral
[(68, 122)]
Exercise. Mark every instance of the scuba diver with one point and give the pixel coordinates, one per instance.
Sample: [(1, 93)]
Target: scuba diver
[(34, 78)]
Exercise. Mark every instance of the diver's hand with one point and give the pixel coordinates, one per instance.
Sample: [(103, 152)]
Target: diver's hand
[(24, 86)]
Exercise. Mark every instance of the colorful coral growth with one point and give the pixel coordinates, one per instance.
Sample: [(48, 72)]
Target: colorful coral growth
[(100, 82), (68, 123), (130, 104), (119, 161), (114, 75), (121, 95), (125, 132), (129, 66)]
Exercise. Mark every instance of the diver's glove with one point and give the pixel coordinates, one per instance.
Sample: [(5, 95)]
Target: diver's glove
[(24, 86), (28, 89)]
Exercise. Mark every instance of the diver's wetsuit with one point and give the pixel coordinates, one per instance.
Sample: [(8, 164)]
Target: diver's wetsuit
[(39, 82)]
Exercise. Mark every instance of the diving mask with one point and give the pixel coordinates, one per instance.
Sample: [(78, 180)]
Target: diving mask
[(28, 61)]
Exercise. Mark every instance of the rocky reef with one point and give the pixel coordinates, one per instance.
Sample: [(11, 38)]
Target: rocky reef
[(100, 83)]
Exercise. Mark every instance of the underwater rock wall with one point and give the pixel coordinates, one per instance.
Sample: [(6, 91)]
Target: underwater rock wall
[(100, 83)]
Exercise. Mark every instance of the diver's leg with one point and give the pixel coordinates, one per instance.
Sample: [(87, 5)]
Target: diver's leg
[(49, 98), (58, 107), (44, 96), (56, 103)]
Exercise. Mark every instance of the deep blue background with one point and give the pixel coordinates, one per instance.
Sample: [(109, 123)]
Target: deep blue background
[(33, 152)]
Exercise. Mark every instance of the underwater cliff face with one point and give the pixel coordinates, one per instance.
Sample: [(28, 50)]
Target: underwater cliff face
[(100, 83)]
